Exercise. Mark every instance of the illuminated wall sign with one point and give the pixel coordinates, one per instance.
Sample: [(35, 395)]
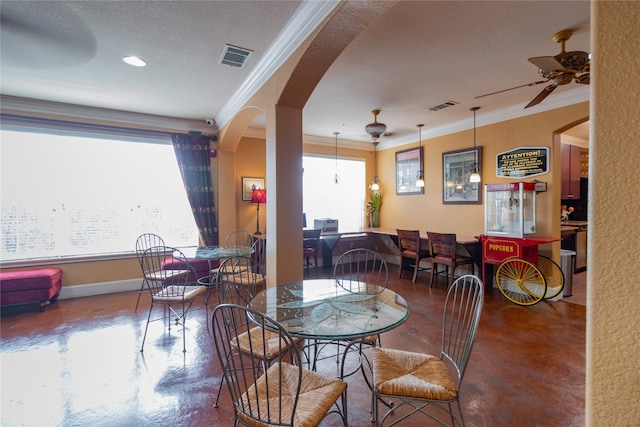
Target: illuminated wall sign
[(522, 162)]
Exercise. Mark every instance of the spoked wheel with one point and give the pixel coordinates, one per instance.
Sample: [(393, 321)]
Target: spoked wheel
[(553, 275), (521, 282)]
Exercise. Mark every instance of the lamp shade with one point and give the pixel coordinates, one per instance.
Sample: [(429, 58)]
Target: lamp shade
[(259, 196)]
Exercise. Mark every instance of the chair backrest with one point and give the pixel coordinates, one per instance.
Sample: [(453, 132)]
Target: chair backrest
[(238, 238), (409, 240), (442, 244), (257, 395), (259, 253), (146, 241), (311, 237), (238, 280), (462, 310), (361, 265), (167, 282)]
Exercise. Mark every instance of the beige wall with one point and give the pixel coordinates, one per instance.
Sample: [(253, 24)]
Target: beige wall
[(613, 295)]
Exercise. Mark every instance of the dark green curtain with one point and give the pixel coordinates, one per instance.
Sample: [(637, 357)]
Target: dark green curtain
[(193, 153)]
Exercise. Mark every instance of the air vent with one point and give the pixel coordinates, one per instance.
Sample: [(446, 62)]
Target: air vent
[(234, 56), (444, 105)]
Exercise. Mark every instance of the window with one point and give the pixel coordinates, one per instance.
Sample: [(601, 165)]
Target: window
[(66, 194), (322, 198)]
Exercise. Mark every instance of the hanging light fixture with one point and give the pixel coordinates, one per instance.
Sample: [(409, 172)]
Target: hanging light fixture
[(475, 167), (420, 177), (336, 178), (375, 129), (375, 184)]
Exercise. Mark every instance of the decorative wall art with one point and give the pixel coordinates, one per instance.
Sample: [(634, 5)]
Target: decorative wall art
[(248, 184), (408, 165), (457, 166)]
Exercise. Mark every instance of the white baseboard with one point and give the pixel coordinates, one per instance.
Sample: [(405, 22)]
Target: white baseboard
[(102, 288)]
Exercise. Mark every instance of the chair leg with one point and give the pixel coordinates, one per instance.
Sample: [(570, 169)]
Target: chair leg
[(434, 271), (415, 271), (139, 295), (144, 337)]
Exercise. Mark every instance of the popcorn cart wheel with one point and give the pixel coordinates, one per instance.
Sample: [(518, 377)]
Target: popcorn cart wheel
[(525, 283), (523, 276)]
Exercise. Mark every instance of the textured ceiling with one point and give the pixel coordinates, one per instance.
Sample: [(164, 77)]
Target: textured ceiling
[(416, 55)]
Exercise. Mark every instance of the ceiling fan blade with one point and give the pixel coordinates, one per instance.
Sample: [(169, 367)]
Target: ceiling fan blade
[(542, 95), (512, 88), (583, 79), (548, 64)]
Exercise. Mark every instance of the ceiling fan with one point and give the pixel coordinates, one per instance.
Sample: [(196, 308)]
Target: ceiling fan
[(560, 69)]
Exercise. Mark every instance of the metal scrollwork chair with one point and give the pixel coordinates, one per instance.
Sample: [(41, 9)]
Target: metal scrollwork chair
[(279, 394), (144, 242), (241, 281), (171, 287), (354, 267), (422, 381)]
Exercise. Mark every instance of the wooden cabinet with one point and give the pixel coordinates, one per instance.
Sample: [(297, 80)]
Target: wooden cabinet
[(575, 165)]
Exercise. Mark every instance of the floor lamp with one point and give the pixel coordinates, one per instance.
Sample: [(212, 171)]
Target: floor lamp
[(258, 197)]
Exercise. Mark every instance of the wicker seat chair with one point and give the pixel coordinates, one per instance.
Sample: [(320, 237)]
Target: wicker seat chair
[(144, 242), (352, 268), (241, 281), (171, 287), (420, 381), (280, 394)]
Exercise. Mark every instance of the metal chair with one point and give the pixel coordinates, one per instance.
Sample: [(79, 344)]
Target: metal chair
[(410, 252), (280, 394), (259, 253), (170, 287), (354, 267), (420, 381), (144, 242), (241, 281), (443, 250), (235, 239)]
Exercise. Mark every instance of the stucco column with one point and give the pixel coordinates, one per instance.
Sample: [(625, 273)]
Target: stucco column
[(284, 210)]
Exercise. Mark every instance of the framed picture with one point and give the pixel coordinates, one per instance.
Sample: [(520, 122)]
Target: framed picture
[(408, 164), (248, 184), (457, 166)]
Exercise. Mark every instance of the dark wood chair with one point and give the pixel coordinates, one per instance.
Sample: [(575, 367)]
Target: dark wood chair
[(311, 245), (410, 251), (442, 249)]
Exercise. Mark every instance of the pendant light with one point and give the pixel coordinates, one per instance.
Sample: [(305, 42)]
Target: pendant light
[(375, 185), (475, 167), (336, 178), (420, 177)]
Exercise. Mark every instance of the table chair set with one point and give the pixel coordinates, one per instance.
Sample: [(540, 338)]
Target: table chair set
[(170, 276)]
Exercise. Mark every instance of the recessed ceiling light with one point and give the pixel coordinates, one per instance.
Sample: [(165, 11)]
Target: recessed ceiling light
[(134, 60)]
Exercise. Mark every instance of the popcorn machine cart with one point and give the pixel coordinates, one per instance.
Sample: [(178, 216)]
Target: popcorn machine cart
[(523, 276)]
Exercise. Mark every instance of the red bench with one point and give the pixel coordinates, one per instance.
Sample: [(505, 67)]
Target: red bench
[(41, 285)]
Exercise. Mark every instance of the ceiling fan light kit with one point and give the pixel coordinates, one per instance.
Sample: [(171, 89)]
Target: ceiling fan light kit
[(375, 129)]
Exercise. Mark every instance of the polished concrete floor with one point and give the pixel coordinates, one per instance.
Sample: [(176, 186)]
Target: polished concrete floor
[(79, 364)]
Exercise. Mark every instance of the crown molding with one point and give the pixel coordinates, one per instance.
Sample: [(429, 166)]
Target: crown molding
[(305, 20)]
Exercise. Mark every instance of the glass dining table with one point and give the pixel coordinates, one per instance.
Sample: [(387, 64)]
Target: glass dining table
[(213, 253), (321, 309)]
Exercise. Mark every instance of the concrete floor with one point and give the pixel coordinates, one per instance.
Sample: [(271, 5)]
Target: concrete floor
[(79, 364)]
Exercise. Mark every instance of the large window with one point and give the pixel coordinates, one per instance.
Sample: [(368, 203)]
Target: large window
[(70, 195), (322, 198)]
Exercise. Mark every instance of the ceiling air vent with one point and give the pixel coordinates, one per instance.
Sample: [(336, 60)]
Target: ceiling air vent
[(234, 56), (444, 105)]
